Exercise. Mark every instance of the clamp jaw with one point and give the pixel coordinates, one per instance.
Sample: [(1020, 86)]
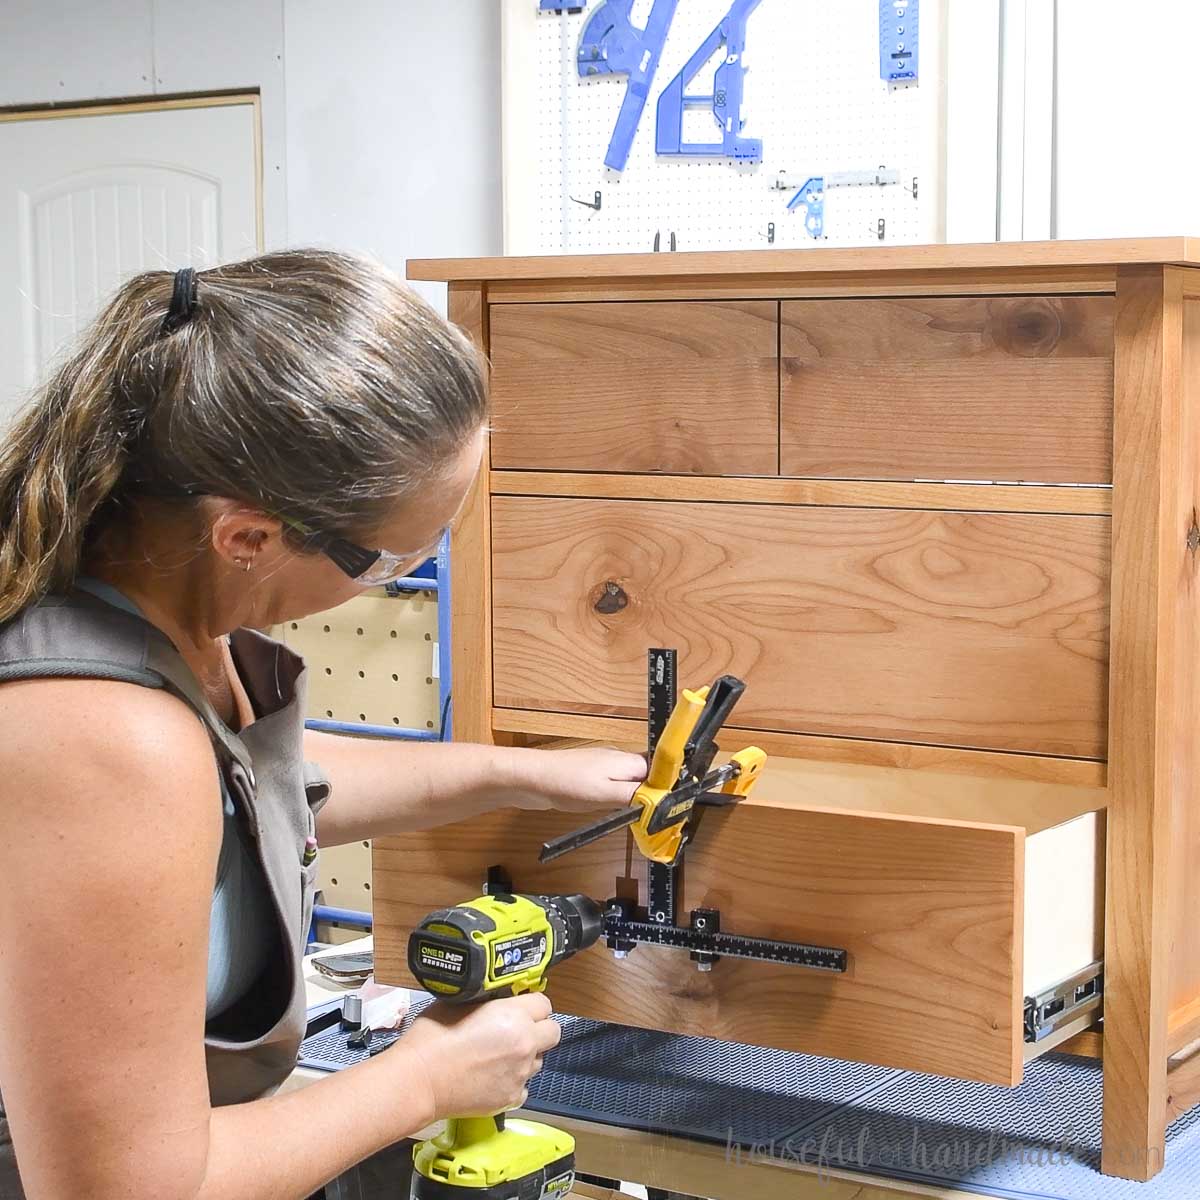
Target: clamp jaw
[(662, 812)]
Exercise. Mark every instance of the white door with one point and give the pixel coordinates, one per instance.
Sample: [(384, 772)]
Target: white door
[(86, 201)]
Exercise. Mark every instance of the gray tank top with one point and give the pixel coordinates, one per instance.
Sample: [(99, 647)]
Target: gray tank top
[(250, 1046), (239, 931)]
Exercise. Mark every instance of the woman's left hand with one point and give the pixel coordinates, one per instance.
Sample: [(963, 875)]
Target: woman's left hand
[(587, 780)]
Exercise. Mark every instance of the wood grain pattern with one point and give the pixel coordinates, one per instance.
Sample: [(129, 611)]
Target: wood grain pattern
[(1089, 1044), (1183, 1023), (852, 493), (687, 388), (54, 112), (540, 727), (971, 630), (1001, 388), (1184, 984), (1183, 1085), (470, 547), (930, 912), (1149, 548), (876, 259), (1094, 280)]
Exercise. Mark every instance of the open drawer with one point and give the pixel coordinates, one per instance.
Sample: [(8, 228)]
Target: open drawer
[(955, 897)]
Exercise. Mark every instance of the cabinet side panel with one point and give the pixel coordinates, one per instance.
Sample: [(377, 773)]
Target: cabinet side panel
[(1150, 554), (1185, 783), (470, 569)]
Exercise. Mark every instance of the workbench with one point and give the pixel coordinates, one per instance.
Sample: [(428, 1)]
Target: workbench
[(697, 1116), (675, 1164), (937, 506)]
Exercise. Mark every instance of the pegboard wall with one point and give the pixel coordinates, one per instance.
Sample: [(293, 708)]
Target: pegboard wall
[(813, 94), (371, 661)]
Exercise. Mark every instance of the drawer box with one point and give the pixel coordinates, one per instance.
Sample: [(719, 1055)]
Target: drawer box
[(999, 388), (976, 630), (949, 919), (688, 388)]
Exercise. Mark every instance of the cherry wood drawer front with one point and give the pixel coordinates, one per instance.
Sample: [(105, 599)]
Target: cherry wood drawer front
[(999, 388), (929, 911), (947, 628), (687, 388)]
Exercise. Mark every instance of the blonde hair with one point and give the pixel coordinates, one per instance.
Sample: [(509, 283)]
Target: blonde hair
[(310, 384)]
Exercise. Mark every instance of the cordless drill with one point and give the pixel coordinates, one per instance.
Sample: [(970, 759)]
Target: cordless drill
[(495, 946)]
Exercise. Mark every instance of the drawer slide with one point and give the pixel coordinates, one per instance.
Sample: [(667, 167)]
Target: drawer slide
[(1063, 1003)]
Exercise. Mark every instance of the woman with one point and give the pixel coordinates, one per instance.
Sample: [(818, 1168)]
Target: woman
[(224, 452)]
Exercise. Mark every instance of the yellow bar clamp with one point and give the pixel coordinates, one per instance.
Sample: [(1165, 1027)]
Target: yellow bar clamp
[(666, 767)]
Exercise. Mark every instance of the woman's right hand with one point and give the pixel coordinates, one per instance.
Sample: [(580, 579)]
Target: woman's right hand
[(476, 1060)]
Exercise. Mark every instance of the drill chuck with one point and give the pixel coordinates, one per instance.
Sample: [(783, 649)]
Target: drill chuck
[(580, 919), (500, 945)]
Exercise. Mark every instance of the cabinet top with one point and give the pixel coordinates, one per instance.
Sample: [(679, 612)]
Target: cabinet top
[(1111, 252)]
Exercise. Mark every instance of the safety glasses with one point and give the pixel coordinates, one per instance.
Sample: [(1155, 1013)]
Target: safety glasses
[(368, 568)]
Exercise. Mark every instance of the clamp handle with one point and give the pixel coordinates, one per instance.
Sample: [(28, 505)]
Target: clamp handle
[(678, 778), (671, 752), (702, 748)]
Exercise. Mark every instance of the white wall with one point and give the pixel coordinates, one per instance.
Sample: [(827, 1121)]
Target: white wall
[(1127, 114), (972, 119), (417, 84), (381, 123)]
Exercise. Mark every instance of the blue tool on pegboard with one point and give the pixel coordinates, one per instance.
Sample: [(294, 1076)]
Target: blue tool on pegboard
[(612, 45), (729, 83), (811, 197), (561, 6), (899, 27)]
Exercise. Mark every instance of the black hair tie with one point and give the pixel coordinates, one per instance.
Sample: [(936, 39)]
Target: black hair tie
[(184, 301)]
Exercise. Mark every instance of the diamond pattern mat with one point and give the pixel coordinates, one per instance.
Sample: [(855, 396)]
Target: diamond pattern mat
[(1039, 1141)]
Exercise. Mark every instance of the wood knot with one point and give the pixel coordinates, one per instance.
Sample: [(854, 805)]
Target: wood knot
[(1029, 328), (610, 598)]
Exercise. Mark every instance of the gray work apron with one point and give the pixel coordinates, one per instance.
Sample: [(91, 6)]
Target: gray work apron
[(251, 1047)]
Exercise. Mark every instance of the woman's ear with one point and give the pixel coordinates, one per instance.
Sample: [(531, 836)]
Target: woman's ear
[(241, 535)]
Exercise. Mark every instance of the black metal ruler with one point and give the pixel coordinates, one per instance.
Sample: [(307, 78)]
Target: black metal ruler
[(733, 945), (661, 693), (626, 927)]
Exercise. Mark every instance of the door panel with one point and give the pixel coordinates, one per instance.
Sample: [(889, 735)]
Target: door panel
[(87, 201)]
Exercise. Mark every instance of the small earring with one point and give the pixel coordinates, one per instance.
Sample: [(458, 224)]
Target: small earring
[(245, 564)]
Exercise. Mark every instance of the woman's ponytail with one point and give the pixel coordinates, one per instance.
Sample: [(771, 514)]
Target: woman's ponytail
[(65, 455)]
